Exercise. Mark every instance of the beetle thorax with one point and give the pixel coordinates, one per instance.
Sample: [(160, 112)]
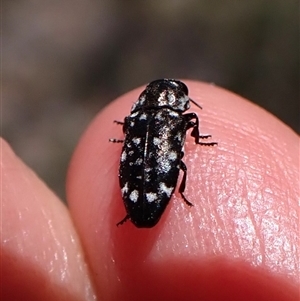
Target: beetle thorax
[(169, 98)]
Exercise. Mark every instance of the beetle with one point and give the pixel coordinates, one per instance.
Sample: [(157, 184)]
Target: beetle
[(152, 152)]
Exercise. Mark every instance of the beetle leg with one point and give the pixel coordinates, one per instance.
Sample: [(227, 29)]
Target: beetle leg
[(208, 143), (204, 136), (127, 217), (182, 184), (115, 140), (195, 132), (118, 122)]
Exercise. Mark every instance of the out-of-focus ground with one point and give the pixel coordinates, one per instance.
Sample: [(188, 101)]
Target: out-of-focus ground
[(62, 61)]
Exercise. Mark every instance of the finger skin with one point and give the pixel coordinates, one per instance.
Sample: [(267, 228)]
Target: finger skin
[(41, 256), (240, 239)]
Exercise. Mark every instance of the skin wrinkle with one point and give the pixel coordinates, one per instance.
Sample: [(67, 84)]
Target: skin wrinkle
[(244, 234), (256, 224), (284, 160), (15, 239), (60, 255), (265, 241), (219, 222), (253, 219), (273, 244), (59, 258), (196, 243), (226, 226), (219, 235), (252, 182), (210, 225)]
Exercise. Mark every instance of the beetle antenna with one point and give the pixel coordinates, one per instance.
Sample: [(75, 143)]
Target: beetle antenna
[(194, 102)]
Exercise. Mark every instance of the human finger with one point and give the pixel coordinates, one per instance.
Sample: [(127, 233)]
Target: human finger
[(238, 241)]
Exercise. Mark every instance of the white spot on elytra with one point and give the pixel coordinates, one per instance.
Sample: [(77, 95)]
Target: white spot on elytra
[(158, 116), (132, 123), (136, 141), (151, 196), (134, 195), (139, 161), (172, 156), (134, 114), (156, 141), (178, 136), (165, 189), (164, 165), (142, 100), (125, 188), (147, 173), (123, 156), (143, 117)]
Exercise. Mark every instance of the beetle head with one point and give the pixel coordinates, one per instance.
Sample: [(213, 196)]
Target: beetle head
[(167, 93)]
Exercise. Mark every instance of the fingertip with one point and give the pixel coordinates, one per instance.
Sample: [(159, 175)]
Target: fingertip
[(237, 188), (40, 253)]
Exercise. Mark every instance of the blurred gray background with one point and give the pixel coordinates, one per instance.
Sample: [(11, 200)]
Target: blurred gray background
[(62, 61)]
